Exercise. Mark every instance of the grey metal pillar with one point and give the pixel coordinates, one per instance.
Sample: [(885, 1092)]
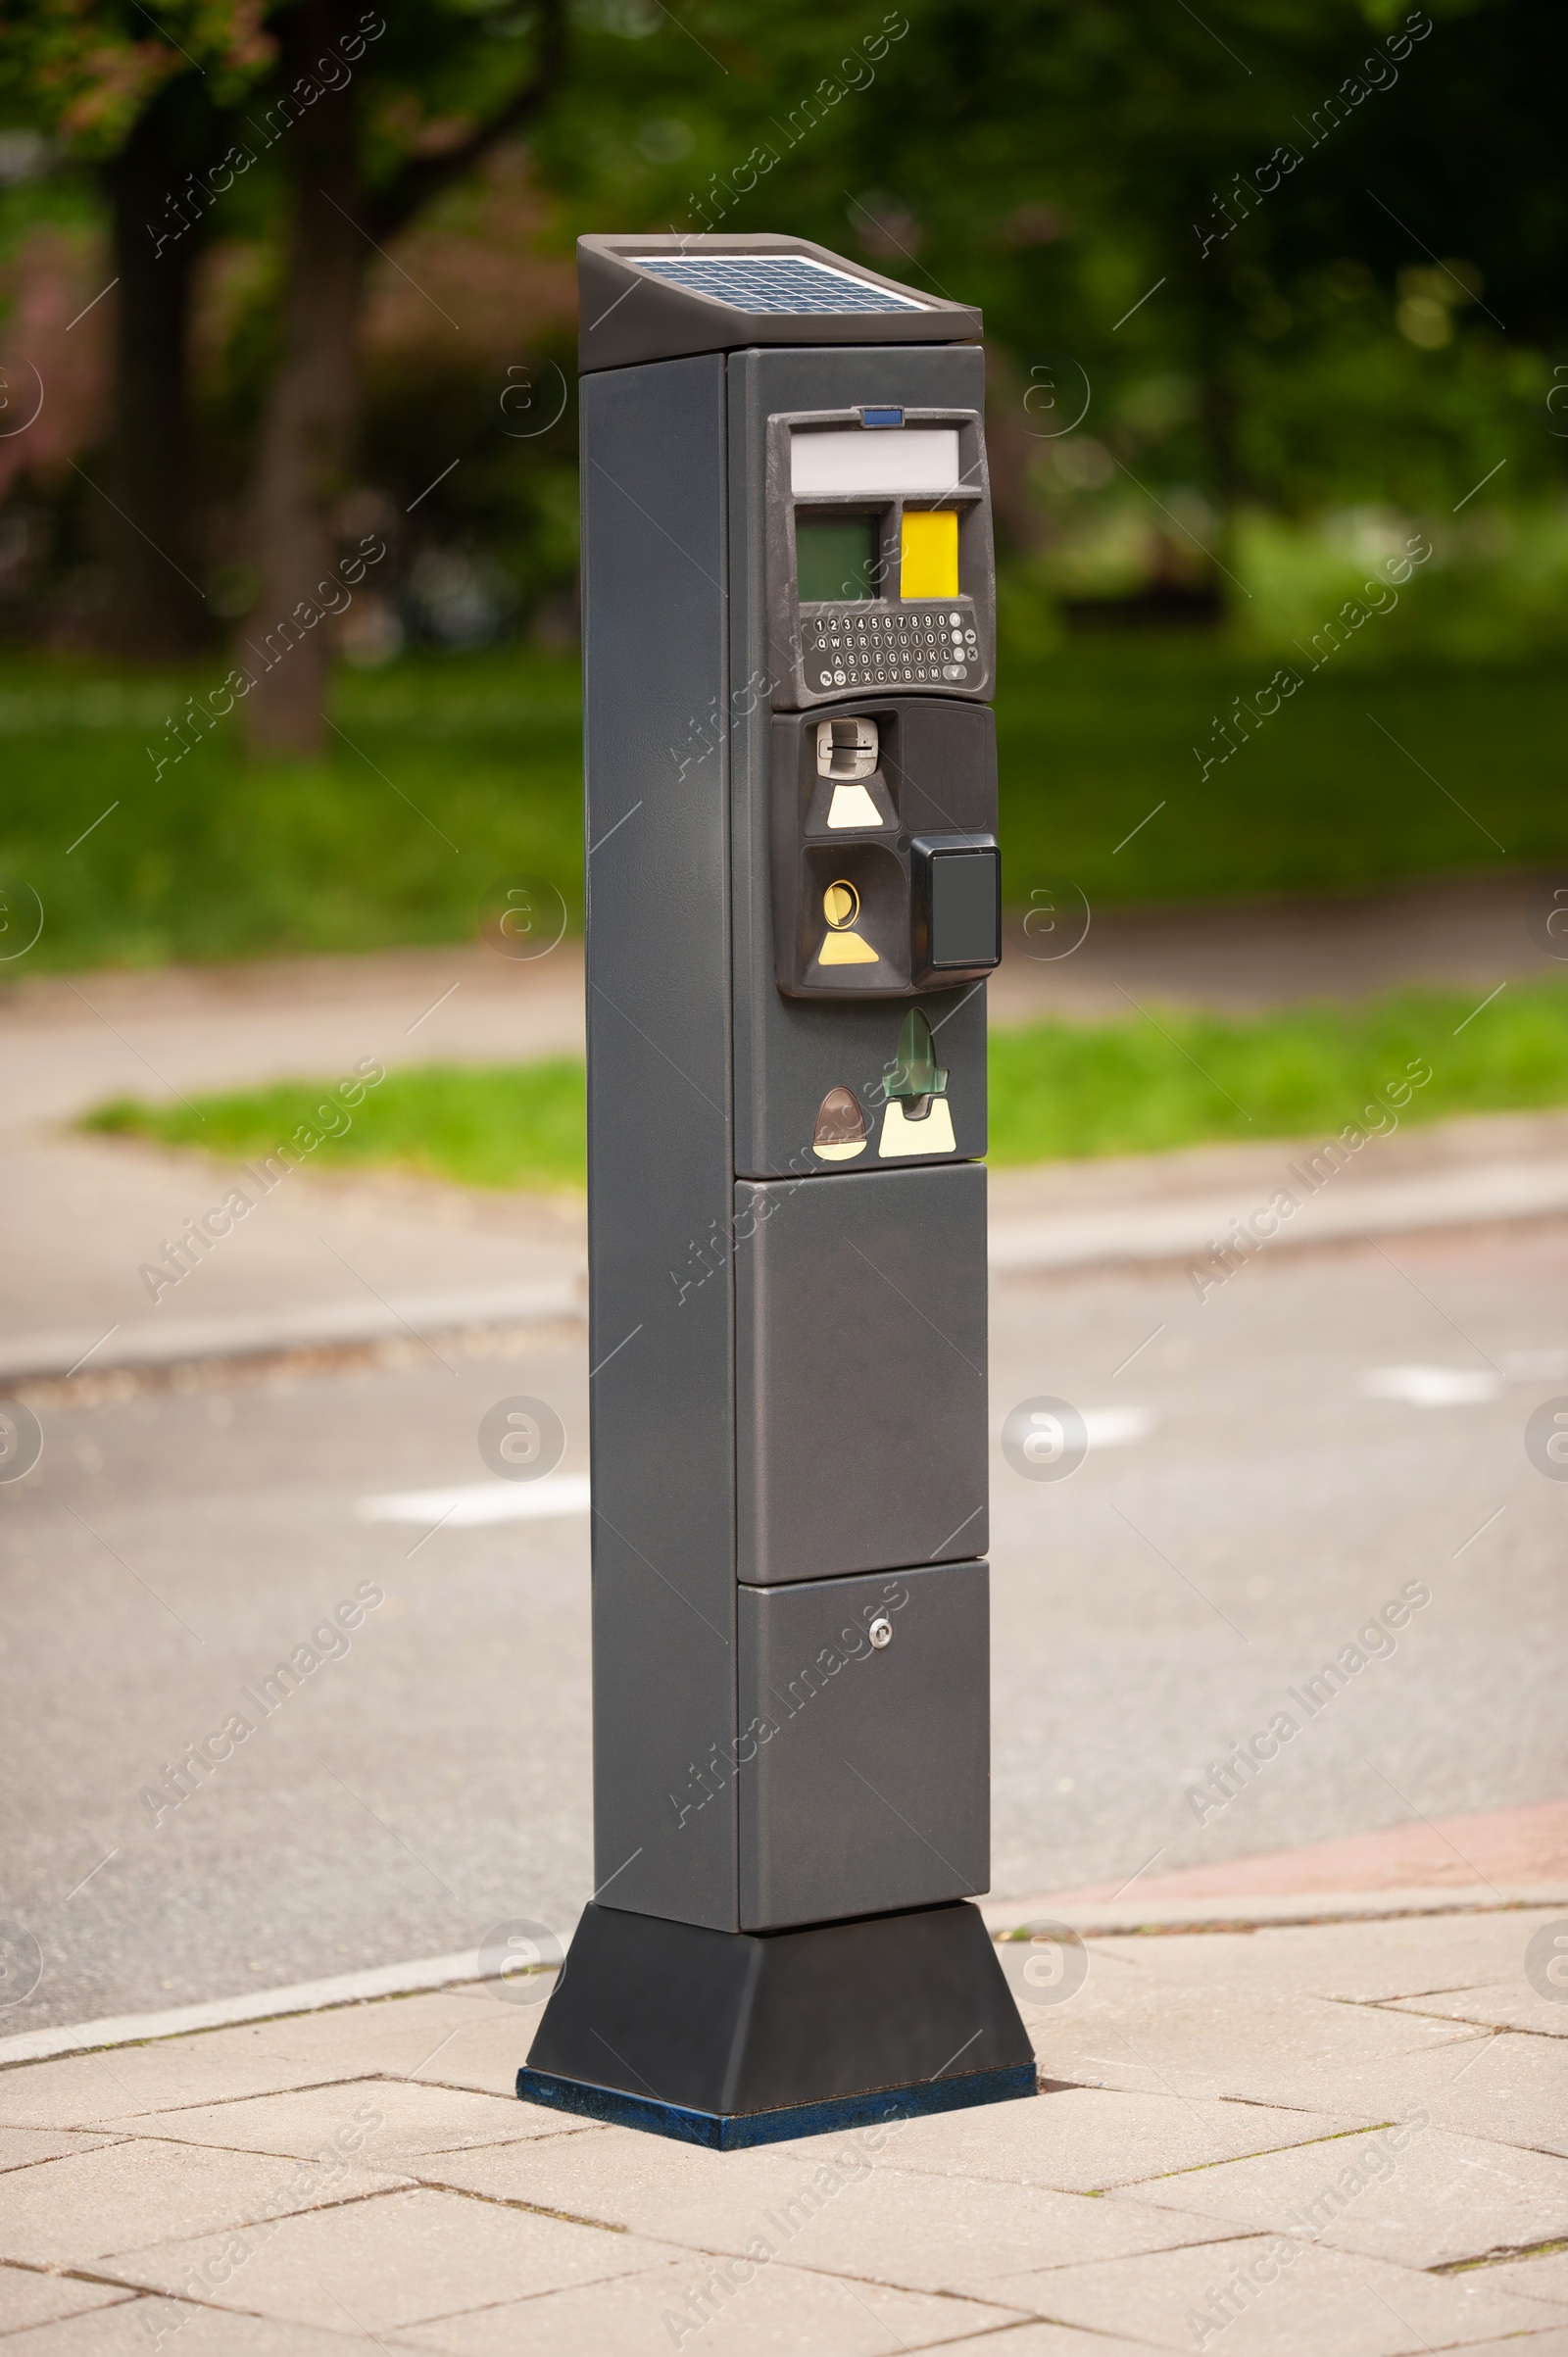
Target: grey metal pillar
[(793, 903)]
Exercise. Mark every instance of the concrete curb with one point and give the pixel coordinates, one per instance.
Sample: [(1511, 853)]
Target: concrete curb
[(1092, 1921), (1106, 1918), (39, 1357), (1185, 1228)]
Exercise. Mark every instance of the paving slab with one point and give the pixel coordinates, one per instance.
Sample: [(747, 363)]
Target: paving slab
[(27, 2298), (1269, 2046), (393, 2262), (1544, 2276), (1082, 2140), (1268, 2295), (1512, 2089), (67, 2212), (829, 2203), (158, 2327), (254, 2218), (83, 2091), (725, 2309), (1414, 2194), (383, 2121), (1364, 1962), (1048, 2340), (20, 2147), (449, 2039), (1497, 2005), (1368, 1961), (1553, 2343)]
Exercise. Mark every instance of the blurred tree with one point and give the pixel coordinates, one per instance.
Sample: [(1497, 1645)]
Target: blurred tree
[(1301, 251), (366, 149), (1221, 216), (148, 104)]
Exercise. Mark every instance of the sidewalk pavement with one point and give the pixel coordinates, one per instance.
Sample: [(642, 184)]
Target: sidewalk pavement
[(1345, 2138), (318, 1262), (1239, 957), (358, 1260), (347, 1261)]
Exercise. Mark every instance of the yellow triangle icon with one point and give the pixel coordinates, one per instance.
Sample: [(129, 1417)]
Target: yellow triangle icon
[(846, 948)]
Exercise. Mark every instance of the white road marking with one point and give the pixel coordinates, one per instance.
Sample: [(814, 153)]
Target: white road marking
[(1115, 1427), (482, 1502), (1432, 1387)]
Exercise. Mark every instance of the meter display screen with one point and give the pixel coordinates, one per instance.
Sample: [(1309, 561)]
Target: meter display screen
[(836, 559)]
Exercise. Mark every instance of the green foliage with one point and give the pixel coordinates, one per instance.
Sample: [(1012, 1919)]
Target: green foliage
[(1093, 738), (1175, 1079), (85, 72), (220, 859), (1057, 1092), (479, 1125), (1276, 334), (1376, 324)]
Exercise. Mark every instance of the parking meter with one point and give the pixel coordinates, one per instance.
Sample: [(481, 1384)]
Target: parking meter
[(793, 902)]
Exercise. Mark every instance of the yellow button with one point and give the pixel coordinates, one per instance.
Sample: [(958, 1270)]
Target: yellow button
[(929, 566)]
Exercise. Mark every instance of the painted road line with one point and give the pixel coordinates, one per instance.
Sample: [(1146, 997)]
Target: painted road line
[(1115, 1427), (1432, 1387), (475, 1502)]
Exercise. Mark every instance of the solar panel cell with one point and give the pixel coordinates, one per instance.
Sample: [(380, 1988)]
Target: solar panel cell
[(772, 283)]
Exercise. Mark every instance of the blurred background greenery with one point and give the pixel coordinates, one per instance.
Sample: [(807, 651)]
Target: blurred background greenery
[(1059, 1090), (1274, 292)]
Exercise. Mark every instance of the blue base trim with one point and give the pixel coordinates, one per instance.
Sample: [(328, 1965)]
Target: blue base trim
[(735, 2132)]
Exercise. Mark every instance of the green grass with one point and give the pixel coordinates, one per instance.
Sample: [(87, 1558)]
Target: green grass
[(1471, 774), (481, 1125), (462, 771), (1056, 1092), (1187, 1080), (457, 777)]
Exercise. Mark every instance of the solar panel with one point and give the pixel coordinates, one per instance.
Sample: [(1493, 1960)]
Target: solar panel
[(776, 282)]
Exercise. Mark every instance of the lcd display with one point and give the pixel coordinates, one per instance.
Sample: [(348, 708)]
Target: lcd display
[(835, 558), (922, 460)]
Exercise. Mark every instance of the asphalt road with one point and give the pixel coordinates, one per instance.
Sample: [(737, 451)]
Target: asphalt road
[(432, 1779)]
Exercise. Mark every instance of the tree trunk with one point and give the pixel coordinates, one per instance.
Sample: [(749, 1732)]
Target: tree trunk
[(157, 609), (308, 429)]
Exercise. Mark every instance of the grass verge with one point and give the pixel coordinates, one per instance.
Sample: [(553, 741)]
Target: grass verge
[(477, 1125), (1057, 1092), (452, 773)]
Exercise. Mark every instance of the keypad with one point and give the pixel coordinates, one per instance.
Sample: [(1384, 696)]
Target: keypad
[(905, 645)]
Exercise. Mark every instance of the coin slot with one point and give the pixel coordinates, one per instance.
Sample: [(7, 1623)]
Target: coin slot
[(843, 945)]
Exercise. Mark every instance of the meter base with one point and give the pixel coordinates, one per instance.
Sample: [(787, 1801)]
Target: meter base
[(737, 2131), (734, 2038)]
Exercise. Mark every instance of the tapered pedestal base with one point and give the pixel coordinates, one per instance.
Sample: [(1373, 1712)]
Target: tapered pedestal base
[(729, 2039)]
